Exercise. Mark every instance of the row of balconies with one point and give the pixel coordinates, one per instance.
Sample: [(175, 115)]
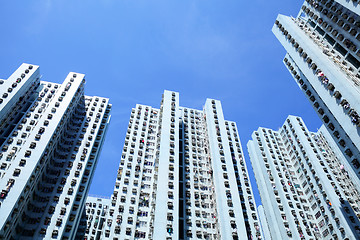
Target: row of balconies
[(14, 84), (336, 14), (346, 42), (352, 113), (22, 163)]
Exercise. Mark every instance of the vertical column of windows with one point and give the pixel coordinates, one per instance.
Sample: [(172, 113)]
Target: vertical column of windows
[(225, 190), (339, 178), (241, 174)]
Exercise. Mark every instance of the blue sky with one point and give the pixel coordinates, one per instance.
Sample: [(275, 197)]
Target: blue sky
[(131, 50)]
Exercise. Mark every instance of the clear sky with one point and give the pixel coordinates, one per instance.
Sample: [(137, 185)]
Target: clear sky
[(131, 50)]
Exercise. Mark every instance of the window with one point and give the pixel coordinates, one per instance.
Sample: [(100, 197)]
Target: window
[(16, 172)]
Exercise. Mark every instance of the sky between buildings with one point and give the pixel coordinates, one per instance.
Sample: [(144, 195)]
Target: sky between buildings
[(131, 50)]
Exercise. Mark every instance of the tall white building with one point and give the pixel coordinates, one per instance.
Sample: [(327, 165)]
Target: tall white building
[(306, 190), (50, 136), (323, 56), (182, 175)]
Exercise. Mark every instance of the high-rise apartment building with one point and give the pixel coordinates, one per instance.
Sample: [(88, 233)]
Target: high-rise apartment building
[(50, 136), (182, 175), (323, 56), (305, 188)]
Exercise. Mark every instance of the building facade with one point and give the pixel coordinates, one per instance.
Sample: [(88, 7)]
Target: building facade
[(182, 175), (50, 136), (94, 218), (263, 223), (323, 56), (306, 190)]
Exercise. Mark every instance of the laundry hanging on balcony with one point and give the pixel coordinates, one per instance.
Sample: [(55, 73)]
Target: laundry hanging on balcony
[(320, 74)]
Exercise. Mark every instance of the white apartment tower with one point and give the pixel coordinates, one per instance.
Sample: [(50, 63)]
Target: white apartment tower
[(50, 136), (323, 56), (182, 175), (306, 189)]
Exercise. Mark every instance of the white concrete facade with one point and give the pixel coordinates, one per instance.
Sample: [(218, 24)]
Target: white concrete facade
[(48, 154), (304, 187), (323, 56), (182, 175)]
